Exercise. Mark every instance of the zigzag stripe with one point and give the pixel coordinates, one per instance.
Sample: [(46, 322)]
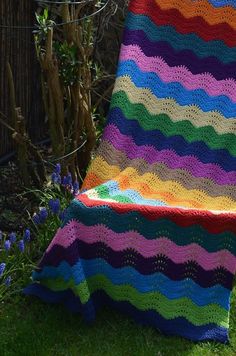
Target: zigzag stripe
[(181, 75), (190, 42), (169, 107), (183, 25), (168, 156), (170, 192), (176, 91), (111, 190), (180, 235), (174, 229), (221, 3), (200, 8), (186, 58), (150, 186), (118, 161), (149, 317), (169, 309), (163, 123), (133, 241), (102, 193), (157, 282), (214, 222), (143, 265), (155, 141)]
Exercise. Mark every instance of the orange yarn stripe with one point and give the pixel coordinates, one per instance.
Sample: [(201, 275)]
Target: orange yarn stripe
[(203, 9)]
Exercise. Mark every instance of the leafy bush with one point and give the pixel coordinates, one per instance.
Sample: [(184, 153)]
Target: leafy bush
[(20, 252)]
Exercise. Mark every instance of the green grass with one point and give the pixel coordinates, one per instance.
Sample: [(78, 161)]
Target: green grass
[(29, 327)]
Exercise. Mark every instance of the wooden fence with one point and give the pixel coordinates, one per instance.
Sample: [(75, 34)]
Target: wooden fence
[(16, 46)]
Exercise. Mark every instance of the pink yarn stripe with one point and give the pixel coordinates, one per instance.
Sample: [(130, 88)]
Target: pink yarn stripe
[(179, 74), (147, 248)]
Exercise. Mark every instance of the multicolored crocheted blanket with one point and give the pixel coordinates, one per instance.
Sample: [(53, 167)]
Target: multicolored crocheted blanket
[(154, 233)]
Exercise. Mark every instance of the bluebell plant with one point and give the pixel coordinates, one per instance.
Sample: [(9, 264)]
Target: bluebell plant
[(21, 245), (12, 250), (18, 249), (2, 268), (66, 181), (7, 245), (12, 237), (27, 235), (54, 205)]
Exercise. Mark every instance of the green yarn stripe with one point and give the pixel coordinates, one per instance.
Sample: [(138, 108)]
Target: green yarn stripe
[(169, 128), (103, 193), (169, 309)]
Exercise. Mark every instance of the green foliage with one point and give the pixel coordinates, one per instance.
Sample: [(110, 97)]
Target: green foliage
[(69, 62), (23, 256), (44, 232), (17, 269), (100, 121), (97, 72), (43, 24)]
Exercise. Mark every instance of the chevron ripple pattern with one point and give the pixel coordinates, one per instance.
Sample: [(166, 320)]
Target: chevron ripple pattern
[(154, 232)]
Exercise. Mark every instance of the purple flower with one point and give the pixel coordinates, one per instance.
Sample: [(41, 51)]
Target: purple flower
[(54, 205), (58, 179), (64, 181), (76, 187), (7, 245), (54, 178), (36, 219), (27, 235), (2, 268), (21, 245), (62, 215), (57, 169), (69, 179), (12, 237), (8, 281), (43, 214)]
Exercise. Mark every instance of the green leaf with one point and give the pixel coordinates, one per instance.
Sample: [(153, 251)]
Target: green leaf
[(45, 13)]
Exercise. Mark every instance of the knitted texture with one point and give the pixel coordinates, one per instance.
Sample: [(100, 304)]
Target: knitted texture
[(154, 232)]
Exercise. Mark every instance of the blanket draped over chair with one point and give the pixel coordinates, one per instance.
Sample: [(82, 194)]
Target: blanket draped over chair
[(154, 232)]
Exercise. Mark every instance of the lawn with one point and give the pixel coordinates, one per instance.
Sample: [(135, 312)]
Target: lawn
[(29, 327)]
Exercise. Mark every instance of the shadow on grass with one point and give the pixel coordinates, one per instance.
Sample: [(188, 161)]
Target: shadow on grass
[(29, 327)]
